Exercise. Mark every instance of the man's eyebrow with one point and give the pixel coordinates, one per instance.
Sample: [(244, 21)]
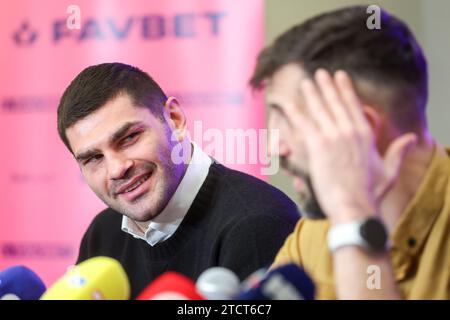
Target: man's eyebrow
[(276, 107), (86, 154), (114, 137)]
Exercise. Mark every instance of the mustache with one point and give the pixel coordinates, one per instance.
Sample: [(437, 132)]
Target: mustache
[(130, 174)]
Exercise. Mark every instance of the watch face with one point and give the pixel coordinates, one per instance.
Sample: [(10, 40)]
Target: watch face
[(374, 232)]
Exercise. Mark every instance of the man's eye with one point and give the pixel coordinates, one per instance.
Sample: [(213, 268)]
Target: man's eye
[(131, 137), (94, 159)]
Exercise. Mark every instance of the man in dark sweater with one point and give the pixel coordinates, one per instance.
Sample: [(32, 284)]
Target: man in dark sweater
[(170, 206)]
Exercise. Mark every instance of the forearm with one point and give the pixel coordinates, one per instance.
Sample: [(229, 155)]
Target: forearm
[(362, 275)]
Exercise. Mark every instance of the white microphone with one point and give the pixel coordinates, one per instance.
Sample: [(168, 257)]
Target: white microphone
[(218, 283)]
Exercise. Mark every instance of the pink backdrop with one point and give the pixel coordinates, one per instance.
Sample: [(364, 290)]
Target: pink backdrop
[(201, 51)]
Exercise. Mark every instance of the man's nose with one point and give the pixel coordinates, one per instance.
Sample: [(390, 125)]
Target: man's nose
[(118, 166)]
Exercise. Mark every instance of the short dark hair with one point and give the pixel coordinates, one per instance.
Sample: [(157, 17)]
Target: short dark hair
[(389, 59), (98, 84)]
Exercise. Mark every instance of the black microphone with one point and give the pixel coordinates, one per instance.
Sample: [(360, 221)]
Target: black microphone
[(288, 282)]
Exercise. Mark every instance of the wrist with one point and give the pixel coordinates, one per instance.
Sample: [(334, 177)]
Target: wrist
[(346, 214)]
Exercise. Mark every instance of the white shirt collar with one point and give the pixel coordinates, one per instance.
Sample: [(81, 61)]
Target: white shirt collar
[(166, 223)]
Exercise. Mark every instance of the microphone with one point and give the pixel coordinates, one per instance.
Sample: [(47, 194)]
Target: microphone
[(20, 283), (288, 282), (98, 278), (254, 279), (218, 283), (170, 286)]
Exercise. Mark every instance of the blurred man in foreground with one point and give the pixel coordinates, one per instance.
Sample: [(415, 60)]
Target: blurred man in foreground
[(350, 106)]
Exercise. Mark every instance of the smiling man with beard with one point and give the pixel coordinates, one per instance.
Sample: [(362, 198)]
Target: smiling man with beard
[(170, 206), (349, 104)]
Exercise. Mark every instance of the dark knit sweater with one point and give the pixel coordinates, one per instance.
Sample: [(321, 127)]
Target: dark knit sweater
[(236, 221)]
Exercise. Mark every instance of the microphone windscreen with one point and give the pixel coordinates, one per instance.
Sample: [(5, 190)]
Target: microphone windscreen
[(287, 282), (20, 283), (98, 278), (170, 286), (218, 283)]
